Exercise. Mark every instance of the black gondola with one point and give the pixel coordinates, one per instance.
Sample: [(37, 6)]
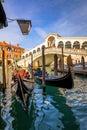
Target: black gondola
[(23, 91), (63, 82)]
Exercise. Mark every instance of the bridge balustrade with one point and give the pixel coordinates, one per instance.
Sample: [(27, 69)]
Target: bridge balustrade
[(54, 50)]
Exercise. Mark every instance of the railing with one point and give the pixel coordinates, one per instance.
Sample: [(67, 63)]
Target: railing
[(59, 51), (54, 50)]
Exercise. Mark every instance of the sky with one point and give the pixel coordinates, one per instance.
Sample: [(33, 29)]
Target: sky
[(67, 18)]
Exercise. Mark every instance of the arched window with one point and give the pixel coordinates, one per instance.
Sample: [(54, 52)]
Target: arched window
[(68, 44), (38, 49), (34, 51), (51, 41), (26, 55), (76, 45), (84, 45), (60, 44)]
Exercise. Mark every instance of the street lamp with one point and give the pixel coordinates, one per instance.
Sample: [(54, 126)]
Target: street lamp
[(25, 25)]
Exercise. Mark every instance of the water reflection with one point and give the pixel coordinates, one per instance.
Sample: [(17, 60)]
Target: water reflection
[(59, 109), (46, 115), (6, 108), (77, 100), (51, 111)]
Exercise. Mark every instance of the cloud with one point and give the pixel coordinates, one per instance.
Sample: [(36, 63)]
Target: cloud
[(67, 18), (41, 32), (11, 34)]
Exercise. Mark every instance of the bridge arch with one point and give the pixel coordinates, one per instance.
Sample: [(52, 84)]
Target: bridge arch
[(84, 45), (68, 44), (51, 40), (34, 51), (60, 44), (38, 49), (76, 45)]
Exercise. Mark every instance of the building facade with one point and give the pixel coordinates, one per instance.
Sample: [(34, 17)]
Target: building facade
[(11, 52)]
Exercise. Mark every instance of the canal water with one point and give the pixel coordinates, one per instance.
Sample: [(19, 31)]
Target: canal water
[(58, 109)]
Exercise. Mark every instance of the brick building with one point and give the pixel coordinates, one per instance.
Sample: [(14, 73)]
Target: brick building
[(12, 52)]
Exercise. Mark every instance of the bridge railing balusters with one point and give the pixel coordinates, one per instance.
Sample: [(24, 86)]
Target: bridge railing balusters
[(67, 51)]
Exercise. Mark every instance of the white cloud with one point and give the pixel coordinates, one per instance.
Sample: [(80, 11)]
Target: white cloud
[(11, 33), (63, 22), (40, 32)]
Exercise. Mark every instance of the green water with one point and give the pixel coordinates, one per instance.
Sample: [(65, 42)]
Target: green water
[(48, 112), (58, 109)]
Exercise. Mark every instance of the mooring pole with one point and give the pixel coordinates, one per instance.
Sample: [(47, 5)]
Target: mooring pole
[(6, 69), (32, 75), (43, 69), (83, 62), (62, 61), (3, 70), (55, 64)]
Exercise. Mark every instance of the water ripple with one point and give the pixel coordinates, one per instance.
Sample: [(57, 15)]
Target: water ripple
[(77, 100)]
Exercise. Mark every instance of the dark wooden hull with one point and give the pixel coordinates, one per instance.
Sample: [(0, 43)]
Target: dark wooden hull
[(22, 92), (63, 82)]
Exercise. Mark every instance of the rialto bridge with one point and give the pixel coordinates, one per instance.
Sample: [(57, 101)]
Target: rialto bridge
[(74, 46)]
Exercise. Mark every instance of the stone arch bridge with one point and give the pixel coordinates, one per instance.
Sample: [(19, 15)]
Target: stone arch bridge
[(76, 55), (74, 46)]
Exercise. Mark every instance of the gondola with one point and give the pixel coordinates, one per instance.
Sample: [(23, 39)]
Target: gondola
[(23, 92), (63, 82)]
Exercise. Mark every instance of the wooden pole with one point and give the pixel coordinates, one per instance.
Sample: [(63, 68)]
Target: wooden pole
[(32, 75), (62, 61), (83, 62), (6, 64), (43, 69), (55, 64), (3, 70)]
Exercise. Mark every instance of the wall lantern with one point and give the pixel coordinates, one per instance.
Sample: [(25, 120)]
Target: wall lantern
[(25, 26)]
